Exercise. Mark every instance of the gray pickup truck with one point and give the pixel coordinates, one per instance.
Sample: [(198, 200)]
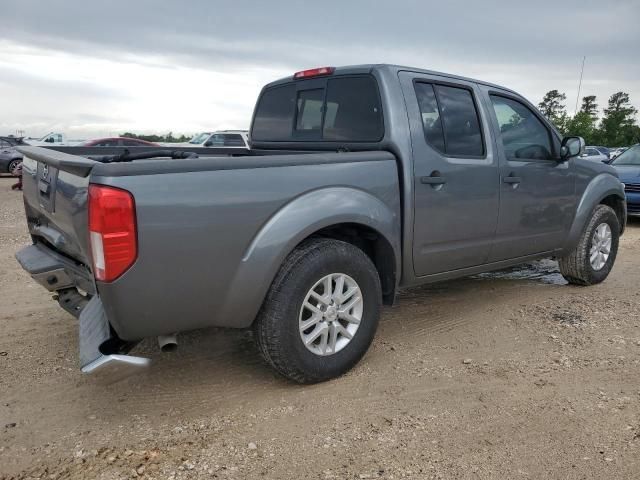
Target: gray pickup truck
[(361, 180)]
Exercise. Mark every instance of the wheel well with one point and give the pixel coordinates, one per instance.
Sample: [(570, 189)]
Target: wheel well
[(617, 204), (377, 248)]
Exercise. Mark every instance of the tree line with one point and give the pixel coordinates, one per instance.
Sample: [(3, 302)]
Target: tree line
[(168, 138), (616, 128)]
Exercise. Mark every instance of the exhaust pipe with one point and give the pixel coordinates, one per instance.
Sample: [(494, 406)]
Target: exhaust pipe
[(168, 343)]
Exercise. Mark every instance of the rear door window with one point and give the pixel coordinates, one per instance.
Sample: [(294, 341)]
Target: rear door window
[(462, 136), (340, 109), (233, 140), (133, 143), (107, 143), (450, 120)]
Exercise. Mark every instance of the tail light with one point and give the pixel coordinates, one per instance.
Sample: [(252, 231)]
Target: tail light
[(112, 231), (314, 72)]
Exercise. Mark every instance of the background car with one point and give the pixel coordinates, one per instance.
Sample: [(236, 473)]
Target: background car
[(118, 142), (221, 138), (592, 153), (628, 167), (617, 152), (52, 139), (604, 150), (10, 158)]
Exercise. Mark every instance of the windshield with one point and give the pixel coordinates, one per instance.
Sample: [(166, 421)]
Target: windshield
[(199, 138), (630, 157)]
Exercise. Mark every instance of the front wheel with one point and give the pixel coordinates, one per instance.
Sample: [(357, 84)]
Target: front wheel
[(592, 259), (12, 168), (321, 312)]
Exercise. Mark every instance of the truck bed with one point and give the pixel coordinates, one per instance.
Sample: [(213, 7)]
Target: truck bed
[(204, 245)]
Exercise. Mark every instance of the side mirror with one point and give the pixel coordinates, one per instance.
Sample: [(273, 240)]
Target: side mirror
[(572, 147), (208, 143)]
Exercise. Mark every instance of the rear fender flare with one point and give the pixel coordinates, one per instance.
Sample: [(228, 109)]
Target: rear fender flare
[(290, 225)]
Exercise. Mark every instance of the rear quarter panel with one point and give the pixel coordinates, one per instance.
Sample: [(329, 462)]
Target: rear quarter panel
[(210, 242)]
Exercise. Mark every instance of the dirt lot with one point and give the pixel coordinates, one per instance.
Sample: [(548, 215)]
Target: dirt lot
[(508, 375)]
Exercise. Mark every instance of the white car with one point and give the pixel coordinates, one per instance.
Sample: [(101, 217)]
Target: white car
[(592, 153), (51, 139), (221, 138)]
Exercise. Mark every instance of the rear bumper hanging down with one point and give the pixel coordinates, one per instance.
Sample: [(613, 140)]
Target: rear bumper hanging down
[(58, 276)]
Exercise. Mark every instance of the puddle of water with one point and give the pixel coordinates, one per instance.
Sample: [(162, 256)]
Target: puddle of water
[(545, 271)]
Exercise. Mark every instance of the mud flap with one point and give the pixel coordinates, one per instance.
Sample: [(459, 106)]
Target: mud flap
[(94, 331)]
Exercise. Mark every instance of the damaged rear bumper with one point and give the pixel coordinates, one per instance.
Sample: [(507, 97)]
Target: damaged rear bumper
[(101, 352)]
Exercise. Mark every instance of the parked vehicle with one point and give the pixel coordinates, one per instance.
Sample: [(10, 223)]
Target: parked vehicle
[(595, 155), (628, 167), (222, 138), (51, 139), (361, 180), (118, 142), (617, 152), (10, 157), (606, 151)]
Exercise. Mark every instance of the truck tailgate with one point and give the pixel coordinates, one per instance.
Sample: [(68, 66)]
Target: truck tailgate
[(55, 196)]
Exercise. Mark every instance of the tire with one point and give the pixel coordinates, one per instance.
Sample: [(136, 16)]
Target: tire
[(577, 267), (277, 328), (12, 165)]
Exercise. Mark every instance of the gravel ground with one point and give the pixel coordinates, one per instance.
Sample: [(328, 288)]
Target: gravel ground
[(505, 375)]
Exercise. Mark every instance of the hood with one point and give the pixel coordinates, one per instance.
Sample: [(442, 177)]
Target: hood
[(628, 173)]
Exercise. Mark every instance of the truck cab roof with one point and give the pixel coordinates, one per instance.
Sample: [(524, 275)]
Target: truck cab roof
[(362, 104), (391, 68)]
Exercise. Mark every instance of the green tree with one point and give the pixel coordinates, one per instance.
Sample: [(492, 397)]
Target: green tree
[(589, 106), (618, 126), (552, 107), (583, 123)]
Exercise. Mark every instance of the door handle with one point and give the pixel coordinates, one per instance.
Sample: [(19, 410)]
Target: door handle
[(511, 179), (434, 179)]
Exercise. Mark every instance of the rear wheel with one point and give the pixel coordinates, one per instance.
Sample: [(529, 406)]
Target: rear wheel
[(321, 312), (592, 259)]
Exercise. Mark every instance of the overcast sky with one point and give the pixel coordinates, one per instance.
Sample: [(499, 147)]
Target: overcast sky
[(92, 68)]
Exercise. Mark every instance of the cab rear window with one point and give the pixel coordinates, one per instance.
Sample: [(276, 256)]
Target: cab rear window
[(341, 109)]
